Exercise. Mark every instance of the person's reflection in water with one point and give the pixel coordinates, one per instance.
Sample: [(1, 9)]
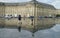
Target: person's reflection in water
[(19, 28), (33, 35)]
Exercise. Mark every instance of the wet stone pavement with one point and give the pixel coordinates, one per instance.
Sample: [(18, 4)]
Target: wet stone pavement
[(53, 32)]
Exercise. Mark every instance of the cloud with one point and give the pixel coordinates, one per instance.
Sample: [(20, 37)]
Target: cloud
[(56, 3), (14, 0), (8, 0), (56, 28)]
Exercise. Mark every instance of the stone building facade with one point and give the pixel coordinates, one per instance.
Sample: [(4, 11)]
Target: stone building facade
[(1, 14), (27, 9), (58, 11)]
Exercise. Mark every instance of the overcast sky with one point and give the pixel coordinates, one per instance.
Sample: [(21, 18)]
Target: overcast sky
[(55, 3)]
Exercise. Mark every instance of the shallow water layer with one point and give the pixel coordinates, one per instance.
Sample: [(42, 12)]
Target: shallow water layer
[(53, 32)]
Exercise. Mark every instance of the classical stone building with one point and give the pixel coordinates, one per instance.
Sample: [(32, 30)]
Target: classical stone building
[(58, 15), (58, 11), (1, 14), (28, 9)]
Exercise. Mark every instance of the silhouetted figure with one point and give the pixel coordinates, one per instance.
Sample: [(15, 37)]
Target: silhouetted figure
[(19, 17), (19, 27)]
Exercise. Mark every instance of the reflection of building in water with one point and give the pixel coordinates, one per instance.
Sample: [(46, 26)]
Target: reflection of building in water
[(27, 9)]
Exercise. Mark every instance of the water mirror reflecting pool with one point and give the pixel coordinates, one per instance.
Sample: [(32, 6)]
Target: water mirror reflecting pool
[(53, 32)]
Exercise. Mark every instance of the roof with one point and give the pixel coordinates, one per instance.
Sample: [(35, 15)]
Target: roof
[(1, 3), (30, 2)]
